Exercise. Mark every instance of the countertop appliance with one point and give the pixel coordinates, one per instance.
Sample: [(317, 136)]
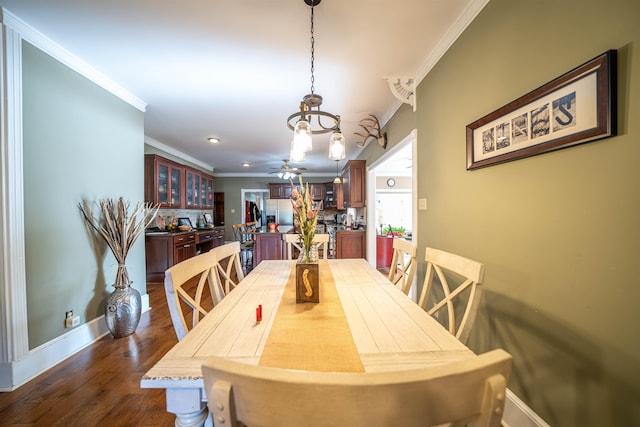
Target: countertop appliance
[(281, 209)]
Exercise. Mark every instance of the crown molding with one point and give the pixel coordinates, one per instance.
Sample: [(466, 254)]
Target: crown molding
[(56, 51)]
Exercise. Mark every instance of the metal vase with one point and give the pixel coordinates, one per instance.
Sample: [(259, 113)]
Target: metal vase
[(123, 310)]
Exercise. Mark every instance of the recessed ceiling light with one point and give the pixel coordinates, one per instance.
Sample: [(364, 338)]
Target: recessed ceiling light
[(213, 140), (246, 164)]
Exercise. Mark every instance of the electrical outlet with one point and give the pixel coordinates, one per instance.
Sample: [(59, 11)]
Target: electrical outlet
[(70, 320)]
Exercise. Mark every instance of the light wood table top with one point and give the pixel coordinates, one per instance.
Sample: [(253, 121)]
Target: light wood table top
[(389, 330)]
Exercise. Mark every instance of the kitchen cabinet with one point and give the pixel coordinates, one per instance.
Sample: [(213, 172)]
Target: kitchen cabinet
[(164, 250), (280, 191), (354, 185), (350, 244), (198, 189), (206, 191), (317, 191), (267, 246), (276, 191), (209, 239), (192, 188), (173, 185), (163, 182)]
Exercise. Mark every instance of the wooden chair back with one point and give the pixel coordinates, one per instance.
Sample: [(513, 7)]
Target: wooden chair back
[(238, 232), (403, 264), (228, 265), (468, 273), (321, 241), (468, 392), (184, 286)]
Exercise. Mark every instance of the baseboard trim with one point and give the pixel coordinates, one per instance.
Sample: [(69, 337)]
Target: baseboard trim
[(518, 414), (49, 354)]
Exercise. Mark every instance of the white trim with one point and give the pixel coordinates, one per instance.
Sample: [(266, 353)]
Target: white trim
[(468, 15), (56, 51), (53, 352), (411, 138), (160, 146), (517, 414), (13, 295)]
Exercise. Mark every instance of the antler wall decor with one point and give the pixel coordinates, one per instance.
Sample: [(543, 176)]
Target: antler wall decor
[(372, 127)]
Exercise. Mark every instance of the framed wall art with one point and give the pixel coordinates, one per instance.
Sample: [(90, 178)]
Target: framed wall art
[(575, 108)]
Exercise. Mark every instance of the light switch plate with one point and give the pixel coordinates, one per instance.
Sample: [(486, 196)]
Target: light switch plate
[(422, 204)]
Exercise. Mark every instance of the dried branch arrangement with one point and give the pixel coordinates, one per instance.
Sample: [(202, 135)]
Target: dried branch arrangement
[(119, 229)]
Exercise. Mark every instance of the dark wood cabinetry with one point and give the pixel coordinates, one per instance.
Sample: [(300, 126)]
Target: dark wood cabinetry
[(280, 191), (163, 183), (198, 189), (353, 184), (173, 185), (165, 250), (267, 246), (317, 191), (350, 244), (209, 239)]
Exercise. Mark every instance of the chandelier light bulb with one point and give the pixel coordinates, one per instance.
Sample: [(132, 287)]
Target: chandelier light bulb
[(297, 155), (302, 136), (337, 146)]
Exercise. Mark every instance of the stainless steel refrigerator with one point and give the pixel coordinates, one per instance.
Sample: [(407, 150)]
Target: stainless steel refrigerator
[(281, 209)]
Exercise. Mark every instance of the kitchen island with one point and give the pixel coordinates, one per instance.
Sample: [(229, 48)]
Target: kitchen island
[(269, 244)]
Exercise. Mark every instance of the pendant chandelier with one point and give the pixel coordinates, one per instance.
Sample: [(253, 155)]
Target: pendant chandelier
[(309, 120)]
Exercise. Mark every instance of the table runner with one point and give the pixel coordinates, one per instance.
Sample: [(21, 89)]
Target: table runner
[(312, 337)]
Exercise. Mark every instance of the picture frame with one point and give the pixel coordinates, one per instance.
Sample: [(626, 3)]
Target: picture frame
[(577, 107)]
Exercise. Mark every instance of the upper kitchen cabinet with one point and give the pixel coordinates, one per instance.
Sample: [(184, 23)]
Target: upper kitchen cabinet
[(192, 188), (353, 184), (198, 189), (281, 191), (206, 191), (163, 182), (317, 191)]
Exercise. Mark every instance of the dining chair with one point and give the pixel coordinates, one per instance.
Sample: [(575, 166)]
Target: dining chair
[(228, 265), (242, 234), (292, 241), (403, 264), (184, 286), (467, 392), (468, 275)]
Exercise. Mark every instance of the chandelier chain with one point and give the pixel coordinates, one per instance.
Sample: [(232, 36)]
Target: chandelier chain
[(312, 54)]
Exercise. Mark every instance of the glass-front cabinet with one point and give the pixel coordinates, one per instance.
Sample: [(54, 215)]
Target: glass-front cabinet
[(165, 187), (193, 188), (206, 191)]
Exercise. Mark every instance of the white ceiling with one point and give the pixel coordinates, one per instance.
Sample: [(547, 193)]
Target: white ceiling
[(236, 69)]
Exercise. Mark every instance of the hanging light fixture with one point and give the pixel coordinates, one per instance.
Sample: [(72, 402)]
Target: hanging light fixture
[(337, 179), (308, 121)]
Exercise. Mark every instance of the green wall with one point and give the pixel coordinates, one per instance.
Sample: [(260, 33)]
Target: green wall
[(79, 142), (559, 232)]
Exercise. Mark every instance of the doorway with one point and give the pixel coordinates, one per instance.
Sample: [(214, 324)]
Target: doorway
[(392, 183)]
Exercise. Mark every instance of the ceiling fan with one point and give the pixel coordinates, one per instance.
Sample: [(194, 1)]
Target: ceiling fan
[(286, 171)]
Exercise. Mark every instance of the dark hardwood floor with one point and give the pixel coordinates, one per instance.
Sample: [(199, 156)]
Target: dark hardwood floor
[(100, 385)]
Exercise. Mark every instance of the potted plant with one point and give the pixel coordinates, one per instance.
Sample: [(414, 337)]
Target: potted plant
[(120, 229)]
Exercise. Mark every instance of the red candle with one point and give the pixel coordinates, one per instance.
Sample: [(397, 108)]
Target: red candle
[(260, 311), (258, 315)]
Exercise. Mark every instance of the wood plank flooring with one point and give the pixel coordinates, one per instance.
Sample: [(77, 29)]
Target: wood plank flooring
[(100, 385)]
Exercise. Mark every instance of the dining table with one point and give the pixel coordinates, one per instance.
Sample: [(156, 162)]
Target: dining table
[(363, 323)]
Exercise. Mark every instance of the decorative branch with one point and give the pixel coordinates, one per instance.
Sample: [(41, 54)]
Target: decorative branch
[(119, 229)]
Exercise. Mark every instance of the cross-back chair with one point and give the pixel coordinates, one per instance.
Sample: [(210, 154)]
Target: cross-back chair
[(184, 286), (468, 392), (320, 241), (469, 274), (403, 264), (228, 265)]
